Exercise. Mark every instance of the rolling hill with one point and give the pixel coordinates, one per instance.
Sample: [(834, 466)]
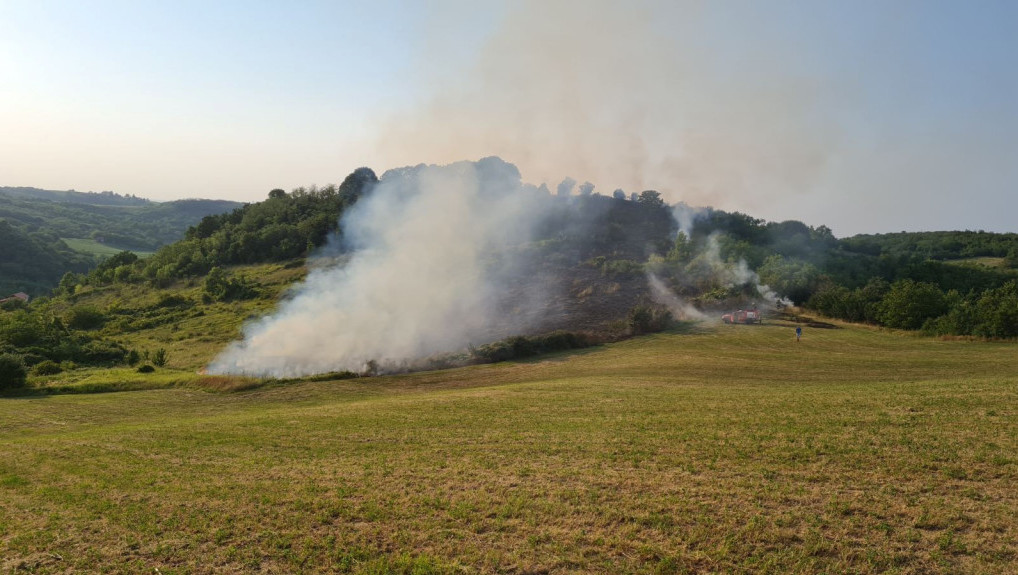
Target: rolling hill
[(54, 227)]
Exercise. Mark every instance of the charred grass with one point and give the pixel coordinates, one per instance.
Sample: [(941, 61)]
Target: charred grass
[(730, 450)]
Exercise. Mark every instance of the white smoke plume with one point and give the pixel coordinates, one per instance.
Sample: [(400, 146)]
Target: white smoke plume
[(739, 273), (421, 278), (685, 216), (680, 308), (707, 271)]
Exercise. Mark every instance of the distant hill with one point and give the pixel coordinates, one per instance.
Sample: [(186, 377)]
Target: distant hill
[(125, 222), (46, 223), (75, 197)]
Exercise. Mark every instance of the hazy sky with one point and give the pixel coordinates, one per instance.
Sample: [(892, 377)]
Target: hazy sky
[(866, 116)]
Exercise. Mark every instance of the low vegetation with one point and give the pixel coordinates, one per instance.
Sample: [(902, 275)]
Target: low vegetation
[(730, 450)]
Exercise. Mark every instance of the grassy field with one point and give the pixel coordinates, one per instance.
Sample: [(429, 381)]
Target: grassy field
[(87, 246), (729, 450), (988, 262)]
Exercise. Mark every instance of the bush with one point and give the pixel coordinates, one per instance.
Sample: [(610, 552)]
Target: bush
[(85, 318), (47, 367), (159, 357), (146, 369), (102, 352), (909, 304), (174, 301), (997, 312), (218, 287), (518, 347), (647, 319), (12, 371)]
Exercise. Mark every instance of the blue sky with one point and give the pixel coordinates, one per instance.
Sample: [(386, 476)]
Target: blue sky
[(865, 116)]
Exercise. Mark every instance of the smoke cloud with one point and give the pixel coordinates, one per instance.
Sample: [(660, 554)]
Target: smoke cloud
[(633, 95), (428, 269)]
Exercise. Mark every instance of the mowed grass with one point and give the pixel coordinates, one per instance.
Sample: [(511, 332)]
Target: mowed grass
[(728, 450)]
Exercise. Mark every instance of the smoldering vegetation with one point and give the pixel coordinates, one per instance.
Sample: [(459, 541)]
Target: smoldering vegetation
[(433, 265), (429, 251), (437, 259)]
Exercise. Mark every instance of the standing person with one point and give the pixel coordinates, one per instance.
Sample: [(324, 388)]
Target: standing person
[(798, 332)]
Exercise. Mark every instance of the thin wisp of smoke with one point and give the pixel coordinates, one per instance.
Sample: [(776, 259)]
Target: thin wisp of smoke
[(679, 308), (706, 271)]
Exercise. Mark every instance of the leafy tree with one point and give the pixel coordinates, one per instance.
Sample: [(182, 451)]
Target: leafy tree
[(682, 251), (997, 312), (651, 198), (1011, 260), (13, 373), (908, 304), (159, 357), (790, 277), (216, 286)]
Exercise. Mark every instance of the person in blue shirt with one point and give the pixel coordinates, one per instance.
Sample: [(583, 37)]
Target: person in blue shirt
[(798, 332)]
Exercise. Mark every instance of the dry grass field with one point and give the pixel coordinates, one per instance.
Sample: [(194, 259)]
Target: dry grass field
[(722, 450)]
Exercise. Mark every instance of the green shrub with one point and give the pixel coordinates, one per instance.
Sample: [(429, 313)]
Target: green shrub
[(648, 319), (909, 304), (47, 367), (997, 312), (85, 318), (520, 346), (218, 287), (102, 352), (174, 301), (159, 357), (12, 371)]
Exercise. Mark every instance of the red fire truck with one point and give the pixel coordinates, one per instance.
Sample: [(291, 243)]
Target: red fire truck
[(743, 316)]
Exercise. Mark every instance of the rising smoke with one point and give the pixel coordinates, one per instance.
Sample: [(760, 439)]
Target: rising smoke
[(633, 95), (708, 270), (679, 308), (429, 270)]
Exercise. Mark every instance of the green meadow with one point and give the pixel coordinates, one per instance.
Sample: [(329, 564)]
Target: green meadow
[(89, 246), (727, 449)]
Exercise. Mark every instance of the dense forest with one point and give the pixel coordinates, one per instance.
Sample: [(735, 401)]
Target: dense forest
[(34, 261)]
